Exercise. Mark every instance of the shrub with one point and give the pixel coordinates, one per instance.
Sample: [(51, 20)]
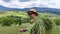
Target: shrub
[(57, 21), (9, 20), (5, 21)]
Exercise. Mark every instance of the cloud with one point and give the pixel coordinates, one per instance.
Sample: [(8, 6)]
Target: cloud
[(31, 3), (24, 0), (6, 1)]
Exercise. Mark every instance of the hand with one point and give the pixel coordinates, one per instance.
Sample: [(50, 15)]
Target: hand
[(22, 30), (44, 32)]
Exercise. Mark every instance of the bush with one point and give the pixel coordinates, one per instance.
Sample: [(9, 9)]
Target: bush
[(57, 21), (9, 20), (5, 21)]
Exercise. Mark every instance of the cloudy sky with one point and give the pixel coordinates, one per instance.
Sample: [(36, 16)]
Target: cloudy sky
[(30, 3)]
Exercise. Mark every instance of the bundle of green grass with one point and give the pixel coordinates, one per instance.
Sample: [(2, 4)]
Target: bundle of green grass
[(43, 26)]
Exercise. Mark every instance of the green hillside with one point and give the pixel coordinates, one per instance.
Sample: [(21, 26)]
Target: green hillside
[(15, 13), (11, 22)]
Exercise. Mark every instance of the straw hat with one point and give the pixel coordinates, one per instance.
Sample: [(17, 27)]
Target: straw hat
[(32, 11)]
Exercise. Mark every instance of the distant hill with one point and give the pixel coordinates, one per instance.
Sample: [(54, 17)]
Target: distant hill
[(39, 9), (2, 8)]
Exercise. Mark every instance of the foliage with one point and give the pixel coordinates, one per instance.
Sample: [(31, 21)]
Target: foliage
[(57, 21), (16, 17), (9, 20)]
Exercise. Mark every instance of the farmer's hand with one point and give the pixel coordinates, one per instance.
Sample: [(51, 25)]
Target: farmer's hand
[(22, 30), (44, 32)]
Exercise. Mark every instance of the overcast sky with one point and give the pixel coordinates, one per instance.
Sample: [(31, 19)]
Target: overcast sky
[(30, 3)]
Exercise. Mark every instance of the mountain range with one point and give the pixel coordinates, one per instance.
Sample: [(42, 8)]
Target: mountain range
[(39, 9)]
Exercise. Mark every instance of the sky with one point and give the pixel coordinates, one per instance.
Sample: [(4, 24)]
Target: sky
[(30, 3)]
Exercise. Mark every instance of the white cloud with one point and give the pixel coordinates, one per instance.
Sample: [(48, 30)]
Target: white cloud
[(29, 4)]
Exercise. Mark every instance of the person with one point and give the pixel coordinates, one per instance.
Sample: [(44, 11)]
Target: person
[(36, 27)]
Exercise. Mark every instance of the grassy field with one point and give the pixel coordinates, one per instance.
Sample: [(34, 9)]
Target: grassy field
[(15, 13), (55, 30), (15, 30), (9, 30)]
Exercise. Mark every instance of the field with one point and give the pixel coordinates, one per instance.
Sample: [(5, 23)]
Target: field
[(14, 29), (9, 30)]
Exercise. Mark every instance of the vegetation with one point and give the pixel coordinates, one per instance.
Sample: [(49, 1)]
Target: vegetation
[(15, 18)]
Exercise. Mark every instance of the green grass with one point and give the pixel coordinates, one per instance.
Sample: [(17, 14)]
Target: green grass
[(15, 13), (56, 30), (9, 30), (15, 30)]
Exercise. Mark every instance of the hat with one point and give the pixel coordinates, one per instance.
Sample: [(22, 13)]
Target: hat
[(32, 11)]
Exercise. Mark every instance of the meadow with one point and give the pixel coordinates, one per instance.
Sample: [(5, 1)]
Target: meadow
[(14, 23)]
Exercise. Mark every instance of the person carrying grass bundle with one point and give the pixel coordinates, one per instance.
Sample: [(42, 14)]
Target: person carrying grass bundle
[(37, 24)]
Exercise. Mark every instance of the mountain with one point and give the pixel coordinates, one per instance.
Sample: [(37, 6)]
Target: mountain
[(45, 10), (2, 8), (39, 9)]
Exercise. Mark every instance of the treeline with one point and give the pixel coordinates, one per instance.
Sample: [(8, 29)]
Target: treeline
[(10, 20)]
